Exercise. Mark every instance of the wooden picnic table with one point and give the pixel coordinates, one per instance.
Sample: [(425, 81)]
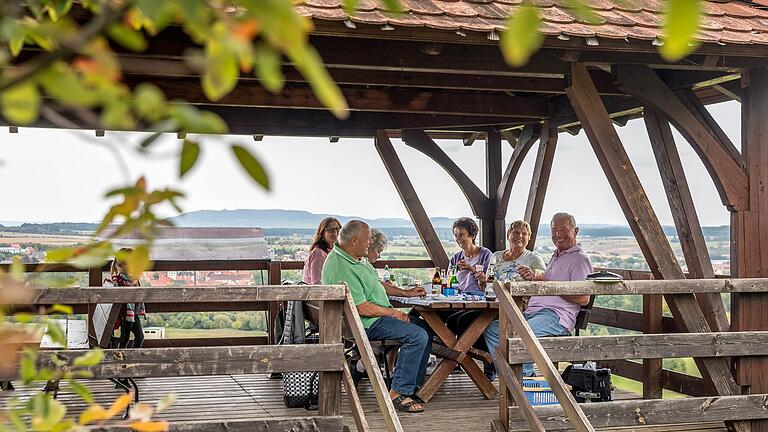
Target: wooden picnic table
[(457, 348)]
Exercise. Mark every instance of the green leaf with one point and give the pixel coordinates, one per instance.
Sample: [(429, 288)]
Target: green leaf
[(52, 413), (56, 333), (58, 8), (680, 25), (61, 82), (309, 63), (20, 104), (209, 123), (62, 309), (17, 421), (393, 6), (221, 71), (269, 68), (583, 12), (350, 6), (521, 38), (190, 150), (90, 358), (17, 268), (127, 37), (65, 425), (28, 367), (95, 256), (59, 255), (137, 261), (81, 390), (251, 165), (149, 102), (24, 317)]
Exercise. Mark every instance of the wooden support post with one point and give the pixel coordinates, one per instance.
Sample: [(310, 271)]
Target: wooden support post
[(750, 257), (94, 280), (652, 368), (274, 275), (727, 173), (506, 331), (641, 218), (539, 181), (329, 397), (492, 223), (684, 213), (528, 136), (411, 200)]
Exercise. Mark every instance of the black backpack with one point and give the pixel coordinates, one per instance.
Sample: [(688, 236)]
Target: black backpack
[(588, 384)]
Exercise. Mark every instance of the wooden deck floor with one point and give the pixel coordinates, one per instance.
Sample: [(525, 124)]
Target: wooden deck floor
[(458, 405)]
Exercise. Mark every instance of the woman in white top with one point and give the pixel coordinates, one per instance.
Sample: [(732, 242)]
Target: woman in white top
[(506, 262)]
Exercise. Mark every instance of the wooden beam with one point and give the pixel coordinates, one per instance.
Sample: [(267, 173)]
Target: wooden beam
[(411, 200), (637, 207), (509, 310), (358, 413), (297, 424), (196, 361), (639, 287), (384, 403), (329, 386), (652, 367), (470, 138), (420, 141), (684, 214), (728, 175), (732, 89), (394, 100), (211, 294), (628, 320), (516, 390), (645, 346), (528, 137), (671, 380), (653, 412), (492, 224), (206, 342), (749, 258), (702, 114), (539, 181)]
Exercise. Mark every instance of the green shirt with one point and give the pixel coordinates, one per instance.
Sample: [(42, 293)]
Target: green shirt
[(360, 277)]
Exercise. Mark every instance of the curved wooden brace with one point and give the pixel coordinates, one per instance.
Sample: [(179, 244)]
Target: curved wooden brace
[(531, 133), (420, 141), (727, 173)]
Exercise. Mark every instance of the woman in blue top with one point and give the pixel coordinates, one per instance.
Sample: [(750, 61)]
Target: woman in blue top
[(471, 262)]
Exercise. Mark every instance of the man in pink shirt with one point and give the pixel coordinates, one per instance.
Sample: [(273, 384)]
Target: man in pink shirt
[(553, 315)]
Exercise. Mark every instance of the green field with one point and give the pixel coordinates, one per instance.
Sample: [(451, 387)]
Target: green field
[(178, 333)]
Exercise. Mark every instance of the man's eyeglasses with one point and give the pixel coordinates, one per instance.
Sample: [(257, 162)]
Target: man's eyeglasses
[(332, 230)]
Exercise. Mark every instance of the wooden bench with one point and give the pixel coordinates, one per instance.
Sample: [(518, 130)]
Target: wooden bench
[(710, 348)]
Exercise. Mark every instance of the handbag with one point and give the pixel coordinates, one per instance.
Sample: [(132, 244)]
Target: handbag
[(300, 389), (589, 384)]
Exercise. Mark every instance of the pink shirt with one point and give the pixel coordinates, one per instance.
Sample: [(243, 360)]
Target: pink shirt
[(313, 266), (569, 265)]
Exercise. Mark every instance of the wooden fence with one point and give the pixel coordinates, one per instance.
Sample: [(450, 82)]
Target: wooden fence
[(710, 349)]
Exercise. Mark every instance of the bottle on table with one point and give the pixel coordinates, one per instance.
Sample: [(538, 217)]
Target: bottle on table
[(454, 284), (386, 274), (443, 281), (490, 294), (437, 282)]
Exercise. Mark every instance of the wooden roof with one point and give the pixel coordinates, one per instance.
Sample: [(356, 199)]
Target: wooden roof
[(723, 22)]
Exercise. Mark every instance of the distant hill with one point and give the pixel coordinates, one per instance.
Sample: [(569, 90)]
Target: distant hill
[(284, 219), (288, 222)]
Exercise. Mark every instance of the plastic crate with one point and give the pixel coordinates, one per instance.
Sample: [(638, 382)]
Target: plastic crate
[(538, 391)]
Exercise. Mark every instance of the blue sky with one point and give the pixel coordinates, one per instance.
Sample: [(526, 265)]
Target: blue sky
[(57, 175)]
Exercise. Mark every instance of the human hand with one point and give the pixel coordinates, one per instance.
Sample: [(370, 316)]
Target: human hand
[(481, 277), (462, 265), (416, 292), (402, 316), (526, 272)]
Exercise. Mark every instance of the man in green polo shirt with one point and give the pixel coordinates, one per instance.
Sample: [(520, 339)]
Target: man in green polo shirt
[(380, 319)]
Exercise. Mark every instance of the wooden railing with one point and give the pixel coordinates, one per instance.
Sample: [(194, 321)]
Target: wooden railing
[(709, 348), (327, 356)]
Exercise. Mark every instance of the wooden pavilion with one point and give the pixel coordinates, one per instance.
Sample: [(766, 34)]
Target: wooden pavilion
[(436, 71)]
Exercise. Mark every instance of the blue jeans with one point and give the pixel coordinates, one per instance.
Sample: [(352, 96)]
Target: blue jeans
[(544, 323), (416, 340)]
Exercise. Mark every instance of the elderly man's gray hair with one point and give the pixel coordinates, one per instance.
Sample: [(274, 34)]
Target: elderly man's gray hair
[(378, 240), (568, 216), (351, 230)]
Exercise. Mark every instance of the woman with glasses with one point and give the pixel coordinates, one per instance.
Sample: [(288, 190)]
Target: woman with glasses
[(326, 236)]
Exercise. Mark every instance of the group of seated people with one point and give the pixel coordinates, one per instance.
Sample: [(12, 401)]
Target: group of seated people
[(345, 255)]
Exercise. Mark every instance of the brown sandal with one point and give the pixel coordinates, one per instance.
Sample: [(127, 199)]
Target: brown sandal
[(406, 404)]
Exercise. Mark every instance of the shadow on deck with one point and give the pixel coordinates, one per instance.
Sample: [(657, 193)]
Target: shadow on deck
[(458, 405)]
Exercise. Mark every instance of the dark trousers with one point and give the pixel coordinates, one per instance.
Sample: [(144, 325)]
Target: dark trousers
[(126, 328)]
